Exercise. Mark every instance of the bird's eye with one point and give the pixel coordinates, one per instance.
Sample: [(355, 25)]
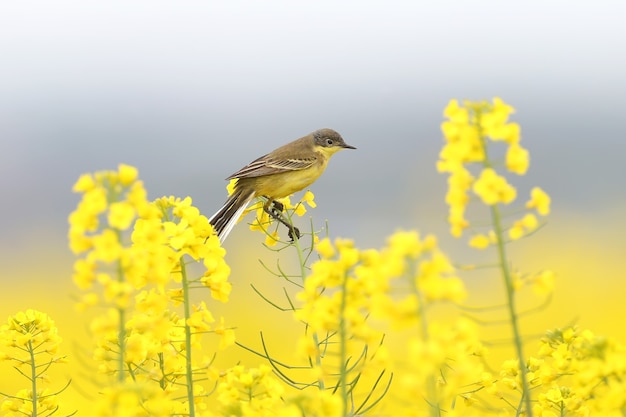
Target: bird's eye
[(329, 142)]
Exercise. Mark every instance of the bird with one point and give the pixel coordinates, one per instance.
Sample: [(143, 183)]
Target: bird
[(278, 174)]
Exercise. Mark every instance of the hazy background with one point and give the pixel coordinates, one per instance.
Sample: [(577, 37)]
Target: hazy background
[(191, 91)]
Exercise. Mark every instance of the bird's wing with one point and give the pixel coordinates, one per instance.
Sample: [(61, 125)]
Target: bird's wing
[(266, 165)]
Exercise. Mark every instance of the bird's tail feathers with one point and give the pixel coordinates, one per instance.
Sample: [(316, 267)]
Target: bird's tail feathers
[(225, 219)]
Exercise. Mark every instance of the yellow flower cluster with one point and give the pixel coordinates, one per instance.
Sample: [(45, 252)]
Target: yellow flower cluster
[(162, 232), (574, 373), (249, 392), (186, 232), (29, 328), (473, 133), (349, 291), (257, 392), (30, 339), (444, 366), (342, 299), (132, 399), (468, 132), (597, 365), (141, 254), (24, 403)]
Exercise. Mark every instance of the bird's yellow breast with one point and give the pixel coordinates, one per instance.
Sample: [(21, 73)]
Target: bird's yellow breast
[(285, 183)]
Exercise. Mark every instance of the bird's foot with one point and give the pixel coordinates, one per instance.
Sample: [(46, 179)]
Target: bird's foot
[(277, 207), (293, 232), (275, 210)]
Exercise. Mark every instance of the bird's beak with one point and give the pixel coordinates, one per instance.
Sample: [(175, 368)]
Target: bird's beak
[(345, 145)]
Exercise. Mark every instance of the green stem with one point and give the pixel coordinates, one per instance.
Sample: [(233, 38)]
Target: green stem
[(508, 281), (302, 262), (510, 294), (188, 364), (343, 340), (121, 336), (33, 378), (121, 330), (433, 400)]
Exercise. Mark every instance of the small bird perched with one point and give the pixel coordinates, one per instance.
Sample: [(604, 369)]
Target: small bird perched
[(278, 174)]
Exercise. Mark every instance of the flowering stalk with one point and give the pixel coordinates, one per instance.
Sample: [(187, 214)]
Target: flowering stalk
[(142, 340), (188, 361), (343, 344), (334, 309), (342, 328), (431, 383), (33, 375), (510, 298), (303, 273), (469, 132), (503, 263), (30, 338), (121, 324), (337, 300)]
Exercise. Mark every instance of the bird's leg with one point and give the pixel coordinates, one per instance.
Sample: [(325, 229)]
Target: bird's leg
[(277, 207), (275, 210)]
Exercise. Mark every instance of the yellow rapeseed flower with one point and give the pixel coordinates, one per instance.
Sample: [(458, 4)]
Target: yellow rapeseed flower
[(493, 188), (30, 339), (493, 117), (457, 221), (227, 334), (459, 183), (468, 131), (348, 254), (30, 326), (94, 201), (106, 246), (325, 248), (216, 276), (272, 238), (249, 392), (521, 228), (481, 241), (540, 201), (85, 183), (23, 403), (79, 242), (456, 113), (85, 217), (133, 399), (435, 279), (309, 198), (121, 215), (543, 283), (201, 319), (118, 293), (517, 159), (406, 243), (127, 174), (313, 403), (230, 187), (84, 273), (136, 349), (87, 300), (509, 133)]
